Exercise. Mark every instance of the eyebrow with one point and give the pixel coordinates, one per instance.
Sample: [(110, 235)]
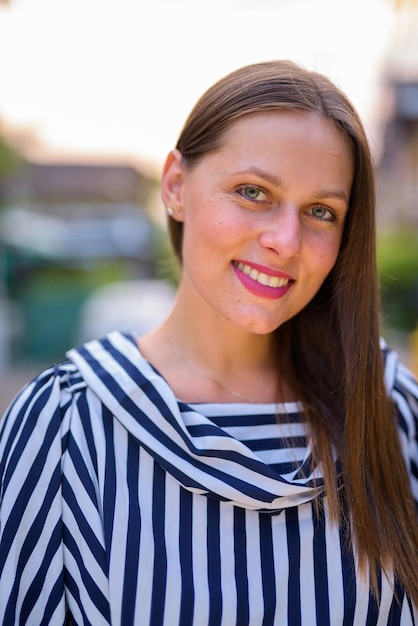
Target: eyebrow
[(271, 178), (278, 182), (332, 193)]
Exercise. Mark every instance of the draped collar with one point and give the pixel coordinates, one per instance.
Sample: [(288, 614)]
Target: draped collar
[(214, 463)]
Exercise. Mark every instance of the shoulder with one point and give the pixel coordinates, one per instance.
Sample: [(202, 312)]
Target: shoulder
[(53, 387), (78, 388), (402, 388), (41, 411)]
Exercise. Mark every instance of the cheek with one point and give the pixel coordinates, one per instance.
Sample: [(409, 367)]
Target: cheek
[(324, 256), (332, 256), (202, 240)]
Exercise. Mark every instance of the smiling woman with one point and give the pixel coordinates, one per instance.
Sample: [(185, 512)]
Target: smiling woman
[(253, 459), (260, 209)]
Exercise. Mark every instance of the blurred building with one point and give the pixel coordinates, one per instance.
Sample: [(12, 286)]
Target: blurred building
[(64, 183), (66, 230), (397, 180), (398, 166)]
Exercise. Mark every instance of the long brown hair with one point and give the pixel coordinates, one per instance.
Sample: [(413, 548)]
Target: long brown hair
[(330, 351)]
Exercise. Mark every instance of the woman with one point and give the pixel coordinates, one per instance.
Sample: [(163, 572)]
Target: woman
[(254, 459)]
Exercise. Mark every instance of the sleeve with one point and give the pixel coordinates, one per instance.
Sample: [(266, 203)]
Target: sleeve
[(403, 388), (31, 551)]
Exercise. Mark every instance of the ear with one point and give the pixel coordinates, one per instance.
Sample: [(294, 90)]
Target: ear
[(172, 184)]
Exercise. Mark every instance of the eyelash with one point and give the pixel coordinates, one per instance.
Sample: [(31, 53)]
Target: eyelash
[(332, 217), (243, 188)]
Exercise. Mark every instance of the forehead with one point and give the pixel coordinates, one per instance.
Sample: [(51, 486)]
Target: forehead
[(285, 138), (286, 122)]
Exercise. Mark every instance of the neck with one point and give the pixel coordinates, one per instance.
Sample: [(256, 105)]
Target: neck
[(206, 358), (220, 349)]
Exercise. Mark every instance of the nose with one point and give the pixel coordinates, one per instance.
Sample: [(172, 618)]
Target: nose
[(282, 232)]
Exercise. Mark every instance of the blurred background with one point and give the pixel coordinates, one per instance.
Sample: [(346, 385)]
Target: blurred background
[(93, 94)]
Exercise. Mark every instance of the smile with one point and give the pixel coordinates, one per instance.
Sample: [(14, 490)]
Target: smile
[(260, 277)]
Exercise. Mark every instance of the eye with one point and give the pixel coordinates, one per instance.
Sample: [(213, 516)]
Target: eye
[(252, 192), (322, 213)]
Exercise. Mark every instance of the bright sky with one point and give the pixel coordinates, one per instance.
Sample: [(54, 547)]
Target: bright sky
[(120, 76)]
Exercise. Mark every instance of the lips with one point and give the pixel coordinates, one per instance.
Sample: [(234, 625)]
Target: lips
[(261, 281), (261, 277)]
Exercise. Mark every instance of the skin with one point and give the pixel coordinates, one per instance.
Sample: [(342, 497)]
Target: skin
[(273, 198)]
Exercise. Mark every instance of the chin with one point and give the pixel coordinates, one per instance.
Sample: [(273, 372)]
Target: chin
[(258, 327)]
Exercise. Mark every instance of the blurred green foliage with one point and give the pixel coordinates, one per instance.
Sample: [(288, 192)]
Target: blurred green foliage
[(51, 300), (397, 258), (168, 267), (10, 159), (10, 162)]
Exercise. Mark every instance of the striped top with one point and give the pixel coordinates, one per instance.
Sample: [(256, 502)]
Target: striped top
[(122, 505)]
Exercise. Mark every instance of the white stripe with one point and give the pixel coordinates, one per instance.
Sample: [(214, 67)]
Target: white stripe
[(146, 546), (121, 519), (254, 569), (334, 566), (171, 526), (307, 589), (200, 561), (281, 567), (229, 589)]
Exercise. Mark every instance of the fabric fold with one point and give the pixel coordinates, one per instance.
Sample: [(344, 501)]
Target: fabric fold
[(217, 464)]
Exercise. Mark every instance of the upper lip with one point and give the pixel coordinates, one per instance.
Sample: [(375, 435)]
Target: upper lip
[(265, 270)]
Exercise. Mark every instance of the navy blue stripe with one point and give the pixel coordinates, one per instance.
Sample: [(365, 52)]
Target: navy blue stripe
[(241, 566), (306, 469), (278, 443), (186, 558), (28, 486), (285, 468), (252, 419), (294, 614), (320, 566), (213, 549), (85, 418), (27, 433), (205, 430), (82, 471), (55, 597), (109, 489), (395, 613), (411, 608), (32, 537), (35, 589), (133, 535), (73, 589), (348, 571), (414, 469), (401, 421), (18, 418), (159, 576), (267, 569), (373, 608), (98, 599), (83, 524)]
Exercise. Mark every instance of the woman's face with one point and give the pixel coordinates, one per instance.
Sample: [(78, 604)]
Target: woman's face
[(263, 217)]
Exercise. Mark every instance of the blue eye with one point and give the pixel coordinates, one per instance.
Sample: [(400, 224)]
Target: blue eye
[(251, 192), (322, 213)]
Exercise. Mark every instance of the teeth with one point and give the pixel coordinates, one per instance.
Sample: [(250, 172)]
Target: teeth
[(260, 277)]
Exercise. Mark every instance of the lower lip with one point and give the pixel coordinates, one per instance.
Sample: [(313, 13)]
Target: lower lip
[(263, 291)]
